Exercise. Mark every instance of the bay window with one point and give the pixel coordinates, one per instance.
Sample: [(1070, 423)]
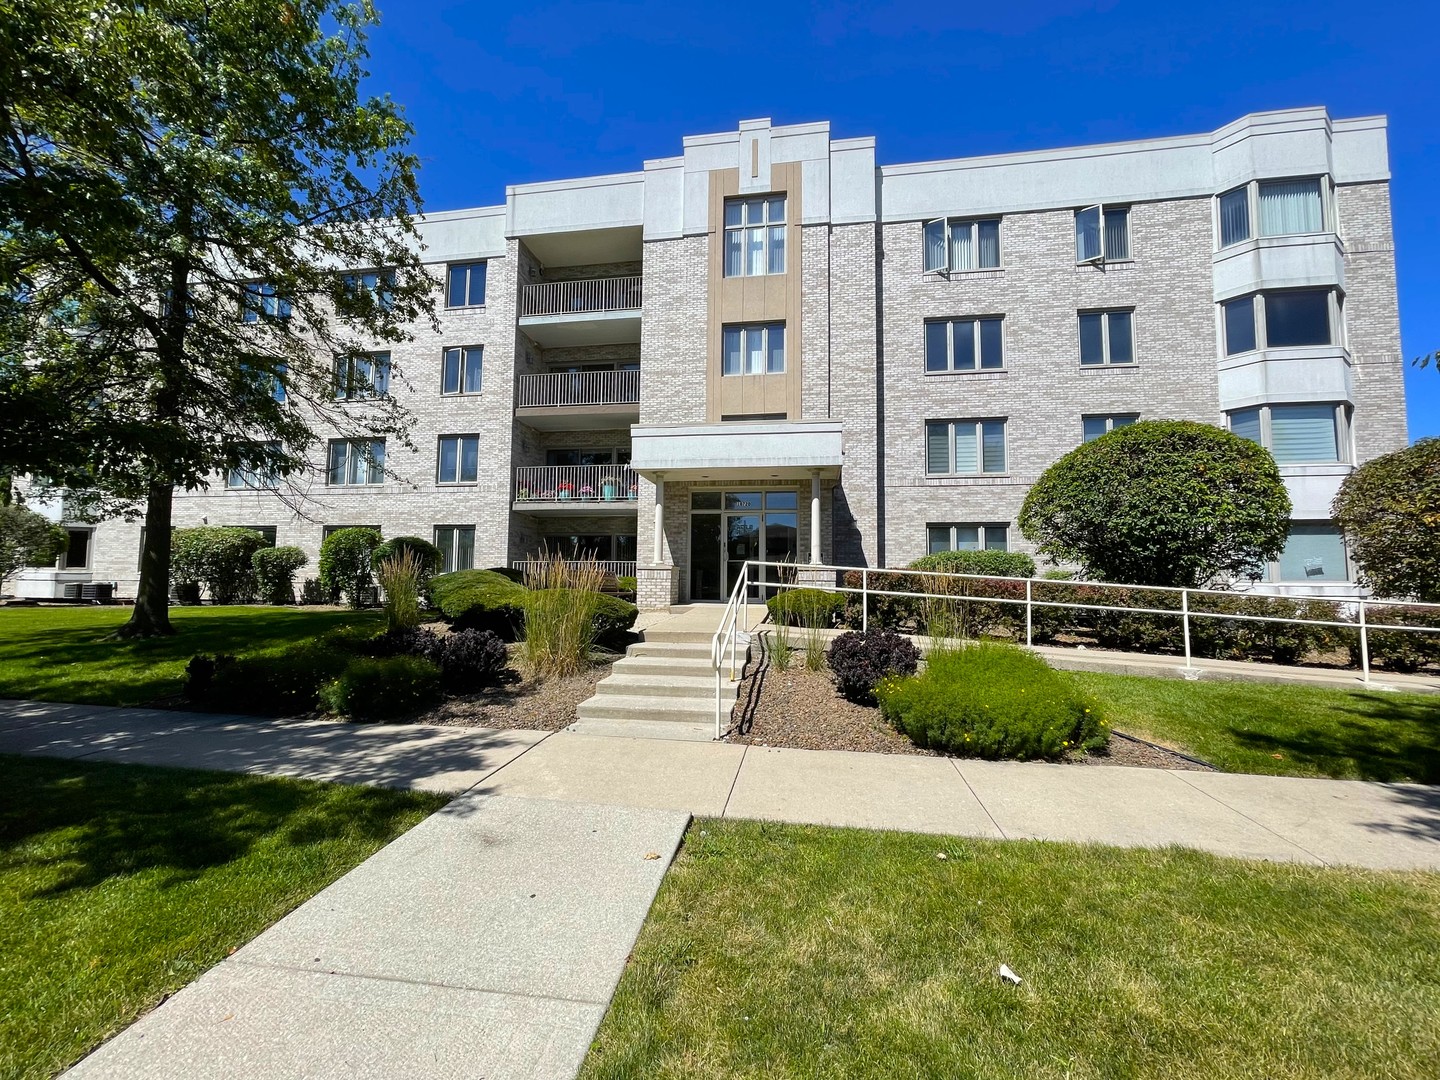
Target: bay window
[(1286, 207), (1294, 318), (1308, 434)]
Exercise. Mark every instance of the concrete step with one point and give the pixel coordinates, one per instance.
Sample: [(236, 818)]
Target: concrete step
[(680, 637), (664, 665), (625, 684), (622, 707), (681, 649), (673, 730)]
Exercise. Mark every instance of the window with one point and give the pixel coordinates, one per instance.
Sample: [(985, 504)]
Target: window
[(356, 461), (267, 532), (964, 345), (1107, 337), (967, 538), (964, 447), (258, 300), (1276, 320), (460, 372), (953, 245), (254, 470), (1095, 426), (1282, 208), (753, 350), (459, 459), (77, 550), (465, 285), (1102, 234), (457, 547), (278, 389), (376, 285), (364, 376), (755, 236), (603, 547), (1315, 551), (595, 456), (1294, 434)]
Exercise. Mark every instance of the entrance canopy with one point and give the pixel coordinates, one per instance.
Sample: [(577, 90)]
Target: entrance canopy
[(750, 449)]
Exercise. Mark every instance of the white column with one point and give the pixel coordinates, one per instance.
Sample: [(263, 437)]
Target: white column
[(659, 519), (815, 517)]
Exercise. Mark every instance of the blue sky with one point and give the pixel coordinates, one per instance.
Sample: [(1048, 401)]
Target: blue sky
[(503, 94)]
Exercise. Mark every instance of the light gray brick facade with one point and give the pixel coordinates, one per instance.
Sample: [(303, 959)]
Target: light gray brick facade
[(863, 299)]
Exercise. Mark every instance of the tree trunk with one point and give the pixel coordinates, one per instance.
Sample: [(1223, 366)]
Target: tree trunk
[(151, 617)]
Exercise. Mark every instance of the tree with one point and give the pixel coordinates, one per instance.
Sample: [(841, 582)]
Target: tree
[(184, 185), (1389, 510), (1163, 502), (28, 539)]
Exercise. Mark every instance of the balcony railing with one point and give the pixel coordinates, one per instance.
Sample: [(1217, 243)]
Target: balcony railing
[(579, 388), (615, 567), (575, 297), (575, 483)]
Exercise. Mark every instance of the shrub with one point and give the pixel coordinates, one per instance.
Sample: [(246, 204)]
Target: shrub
[(994, 701), (1405, 651), (860, 661), (401, 576), (1389, 510), (311, 592), (886, 612), (627, 584), (406, 641), (215, 557), (382, 688), (481, 600), (814, 608), (1161, 502), (275, 573), (427, 556), (1246, 639), (988, 563), (345, 564), (282, 684), (469, 659), (28, 539)]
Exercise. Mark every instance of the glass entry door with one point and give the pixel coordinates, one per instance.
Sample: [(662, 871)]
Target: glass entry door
[(729, 529)]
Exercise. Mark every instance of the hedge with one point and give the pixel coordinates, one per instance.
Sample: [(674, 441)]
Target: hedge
[(816, 608), (383, 688), (481, 600)]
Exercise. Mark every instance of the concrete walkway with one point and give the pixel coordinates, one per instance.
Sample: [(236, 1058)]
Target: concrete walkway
[(1387, 826)]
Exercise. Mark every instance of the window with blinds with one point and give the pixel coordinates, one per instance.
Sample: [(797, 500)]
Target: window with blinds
[(1102, 234), (1307, 434), (1235, 216), (1291, 206), (1092, 427), (964, 447), (953, 245), (967, 538)]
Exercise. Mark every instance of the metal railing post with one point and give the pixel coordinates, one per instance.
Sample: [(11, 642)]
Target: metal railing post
[(1365, 645), (1185, 620), (1029, 615), (864, 601)]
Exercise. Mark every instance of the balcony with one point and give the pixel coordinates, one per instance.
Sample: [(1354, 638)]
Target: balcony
[(592, 311), (579, 400), (589, 490), (615, 568)]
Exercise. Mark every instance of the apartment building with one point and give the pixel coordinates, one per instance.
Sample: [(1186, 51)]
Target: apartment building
[(769, 346)]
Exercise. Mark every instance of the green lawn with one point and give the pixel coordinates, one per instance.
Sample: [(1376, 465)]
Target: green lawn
[(119, 884), (1280, 729), (60, 654), (789, 951)]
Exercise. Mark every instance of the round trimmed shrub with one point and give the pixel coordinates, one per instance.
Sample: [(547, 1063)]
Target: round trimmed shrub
[(509, 572), (382, 688), (217, 558), (275, 573), (814, 608), (470, 659), (993, 701), (481, 600), (860, 661), (345, 568), (426, 554), (1389, 509), (1161, 502)]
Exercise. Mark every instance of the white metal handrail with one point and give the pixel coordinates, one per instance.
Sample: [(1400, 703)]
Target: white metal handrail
[(583, 483), (1185, 612), (584, 295), (726, 638), (559, 388), (617, 567)]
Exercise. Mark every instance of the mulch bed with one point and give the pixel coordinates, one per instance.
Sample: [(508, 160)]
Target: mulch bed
[(534, 704), (801, 709)]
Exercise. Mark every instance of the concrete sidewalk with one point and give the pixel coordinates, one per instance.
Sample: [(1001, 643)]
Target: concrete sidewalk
[(485, 942), (1389, 826)]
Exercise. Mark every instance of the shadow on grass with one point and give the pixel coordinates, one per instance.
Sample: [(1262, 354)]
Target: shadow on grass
[(1391, 739), (83, 823), (67, 654)]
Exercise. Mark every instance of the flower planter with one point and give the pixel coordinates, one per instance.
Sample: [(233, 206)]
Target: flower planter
[(607, 491)]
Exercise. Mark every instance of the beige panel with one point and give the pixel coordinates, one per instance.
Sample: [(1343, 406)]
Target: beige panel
[(771, 298)]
